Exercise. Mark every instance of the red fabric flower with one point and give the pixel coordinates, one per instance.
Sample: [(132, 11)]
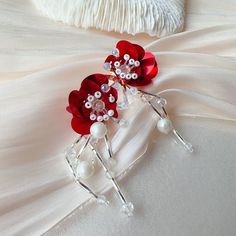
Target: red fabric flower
[(131, 64), (95, 101)]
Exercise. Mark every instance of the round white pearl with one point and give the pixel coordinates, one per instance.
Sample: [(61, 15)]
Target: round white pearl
[(118, 71), (98, 130), (122, 75), (110, 112), (100, 118), (117, 64), (111, 99), (126, 57), (105, 117), (85, 169), (88, 105), (90, 98), (128, 76), (136, 63), (134, 76), (131, 61), (164, 125), (93, 117), (97, 94)]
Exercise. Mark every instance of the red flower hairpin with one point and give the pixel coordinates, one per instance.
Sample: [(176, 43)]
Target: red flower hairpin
[(94, 102), (131, 64), (91, 107), (97, 102)]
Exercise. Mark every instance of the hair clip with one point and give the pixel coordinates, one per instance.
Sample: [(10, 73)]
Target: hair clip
[(98, 101), (92, 107)]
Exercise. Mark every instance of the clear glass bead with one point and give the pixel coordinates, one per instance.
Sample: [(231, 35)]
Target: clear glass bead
[(123, 105), (107, 66), (115, 52), (146, 97), (102, 200), (161, 101), (105, 88), (127, 209), (133, 90), (123, 123), (70, 154), (117, 86), (125, 69), (98, 105)]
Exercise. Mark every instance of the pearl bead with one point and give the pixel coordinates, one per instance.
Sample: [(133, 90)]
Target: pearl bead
[(105, 117), (128, 76), (118, 71), (134, 76), (111, 99), (100, 118), (93, 117), (88, 105), (85, 169), (164, 125), (110, 112), (136, 63), (117, 64), (97, 94), (90, 98), (98, 130), (131, 61), (126, 57), (122, 75)]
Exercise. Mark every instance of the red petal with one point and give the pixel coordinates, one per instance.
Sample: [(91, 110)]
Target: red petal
[(149, 65), (99, 79), (76, 99), (127, 47), (89, 86), (111, 58), (140, 50), (68, 109), (81, 126)]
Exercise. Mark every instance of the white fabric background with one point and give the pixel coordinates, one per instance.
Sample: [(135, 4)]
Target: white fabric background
[(174, 194)]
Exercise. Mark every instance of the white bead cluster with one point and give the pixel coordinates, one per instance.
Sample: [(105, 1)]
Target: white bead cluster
[(123, 69), (94, 102)]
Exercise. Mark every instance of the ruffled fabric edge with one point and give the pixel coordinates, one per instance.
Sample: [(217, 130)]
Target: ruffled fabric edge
[(154, 17)]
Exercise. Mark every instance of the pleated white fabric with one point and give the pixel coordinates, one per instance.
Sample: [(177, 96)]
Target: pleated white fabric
[(154, 17), (197, 77)]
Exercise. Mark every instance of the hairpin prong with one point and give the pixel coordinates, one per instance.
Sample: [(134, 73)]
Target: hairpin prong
[(127, 207), (188, 146), (83, 147), (101, 199), (108, 146)]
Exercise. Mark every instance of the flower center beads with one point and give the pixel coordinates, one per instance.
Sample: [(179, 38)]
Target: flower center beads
[(97, 105), (123, 68)]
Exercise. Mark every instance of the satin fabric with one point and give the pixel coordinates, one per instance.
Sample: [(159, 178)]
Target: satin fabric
[(197, 77)]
